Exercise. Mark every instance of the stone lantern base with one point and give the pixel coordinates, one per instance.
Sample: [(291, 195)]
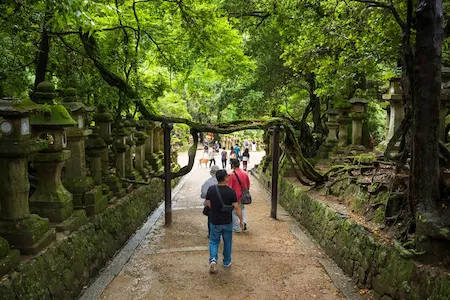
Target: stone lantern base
[(8, 258), (29, 235)]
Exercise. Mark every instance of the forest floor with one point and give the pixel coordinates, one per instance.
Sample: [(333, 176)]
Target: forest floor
[(269, 262)]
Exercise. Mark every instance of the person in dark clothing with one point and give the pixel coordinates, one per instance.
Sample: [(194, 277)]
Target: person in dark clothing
[(220, 197), (224, 156), (245, 159)]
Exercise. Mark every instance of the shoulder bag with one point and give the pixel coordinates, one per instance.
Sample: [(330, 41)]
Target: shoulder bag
[(225, 208), (246, 198)]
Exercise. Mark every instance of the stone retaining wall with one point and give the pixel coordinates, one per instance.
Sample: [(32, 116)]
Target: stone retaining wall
[(373, 263), (61, 271)]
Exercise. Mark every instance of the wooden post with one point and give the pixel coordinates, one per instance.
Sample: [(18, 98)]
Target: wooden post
[(275, 167), (167, 175)]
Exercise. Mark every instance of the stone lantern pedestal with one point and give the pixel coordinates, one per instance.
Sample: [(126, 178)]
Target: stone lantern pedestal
[(148, 127), (98, 202), (331, 140), (24, 231), (103, 119), (358, 115), (51, 199)]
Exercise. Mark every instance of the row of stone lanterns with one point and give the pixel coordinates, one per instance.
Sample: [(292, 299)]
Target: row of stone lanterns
[(55, 139)]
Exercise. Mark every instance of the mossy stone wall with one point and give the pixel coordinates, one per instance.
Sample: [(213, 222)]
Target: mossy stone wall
[(67, 265), (373, 263)]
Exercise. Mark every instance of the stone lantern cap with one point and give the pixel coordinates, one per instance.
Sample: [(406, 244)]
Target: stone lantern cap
[(357, 101), (16, 107), (141, 138), (102, 115), (332, 112), (395, 91), (143, 124), (50, 114), (73, 103), (132, 120), (94, 141)]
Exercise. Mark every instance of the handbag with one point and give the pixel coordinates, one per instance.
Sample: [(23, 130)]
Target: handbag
[(206, 210), (225, 208), (246, 198)]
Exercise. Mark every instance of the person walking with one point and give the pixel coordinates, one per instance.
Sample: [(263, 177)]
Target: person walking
[(239, 179), (211, 155), (205, 186), (245, 159), (237, 150), (222, 200), (224, 156), (253, 146), (232, 155)]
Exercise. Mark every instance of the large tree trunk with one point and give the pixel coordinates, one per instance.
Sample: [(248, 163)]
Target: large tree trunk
[(424, 183), (43, 53), (315, 104)]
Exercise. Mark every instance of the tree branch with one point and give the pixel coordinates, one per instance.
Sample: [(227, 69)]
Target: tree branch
[(387, 6)]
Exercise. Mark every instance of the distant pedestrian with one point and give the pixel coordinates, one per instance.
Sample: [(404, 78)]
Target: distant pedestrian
[(211, 156), (237, 185), (222, 200), (246, 144), (232, 155), (224, 156), (209, 182), (253, 146), (237, 150), (245, 159)]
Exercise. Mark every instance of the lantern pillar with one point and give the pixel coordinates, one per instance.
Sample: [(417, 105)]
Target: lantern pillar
[(22, 230)]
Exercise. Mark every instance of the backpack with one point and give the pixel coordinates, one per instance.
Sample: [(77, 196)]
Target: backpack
[(246, 198)]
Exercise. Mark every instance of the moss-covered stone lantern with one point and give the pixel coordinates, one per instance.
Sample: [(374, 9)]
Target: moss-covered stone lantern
[(141, 138), (397, 110), (148, 128), (24, 231), (130, 171), (76, 179), (357, 115), (120, 147), (96, 147), (343, 120), (104, 119), (51, 199)]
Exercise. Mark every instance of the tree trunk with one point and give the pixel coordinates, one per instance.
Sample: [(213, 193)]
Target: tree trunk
[(315, 104), (42, 55), (424, 188)]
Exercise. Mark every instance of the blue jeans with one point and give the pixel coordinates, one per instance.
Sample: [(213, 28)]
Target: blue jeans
[(226, 231), (236, 225)]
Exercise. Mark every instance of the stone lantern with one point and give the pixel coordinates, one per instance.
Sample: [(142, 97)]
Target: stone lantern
[(103, 119), (24, 231), (397, 110), (141, 138), (130, 172), (148, 128), (95, 148), (445, 101), (76, 180), (51, 199), (144, 126), (343, 121), (331, 139), (357, 115), (120, 146)]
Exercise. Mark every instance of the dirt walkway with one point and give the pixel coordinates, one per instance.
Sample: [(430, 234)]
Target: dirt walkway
[(268, 261)]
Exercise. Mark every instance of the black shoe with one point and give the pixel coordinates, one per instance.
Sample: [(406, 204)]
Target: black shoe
[(245, 226)]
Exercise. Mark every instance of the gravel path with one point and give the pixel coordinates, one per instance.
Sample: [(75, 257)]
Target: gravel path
[(269, 262)]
